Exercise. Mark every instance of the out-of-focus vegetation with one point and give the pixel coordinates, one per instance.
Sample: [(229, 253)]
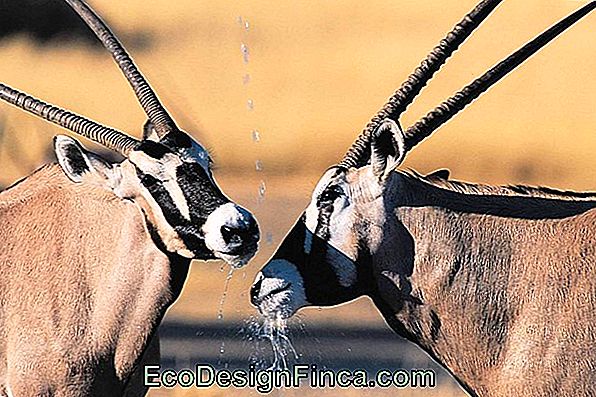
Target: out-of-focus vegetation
[(318, 71)]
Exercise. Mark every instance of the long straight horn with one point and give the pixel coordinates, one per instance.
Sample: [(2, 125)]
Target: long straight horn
[(450, 107), (109, 137), (157, 114), (358, 153)]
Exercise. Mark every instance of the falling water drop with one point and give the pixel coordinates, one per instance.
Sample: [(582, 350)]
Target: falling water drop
[(245, 52), (262, 189), (250, 104), (246, 79), (222, 348), (246, 25), (256, 136), (224, 294), (259, 165), (239, 20)]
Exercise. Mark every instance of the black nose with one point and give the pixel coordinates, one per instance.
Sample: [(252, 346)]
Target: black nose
[(246, 233), (254, 292)]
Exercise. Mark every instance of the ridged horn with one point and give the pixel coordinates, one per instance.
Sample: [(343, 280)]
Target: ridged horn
[(450, 107), (156, 112), (109, 137), (359, 152)]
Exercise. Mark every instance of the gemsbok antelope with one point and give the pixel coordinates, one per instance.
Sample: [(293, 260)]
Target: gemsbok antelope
[(92, 253), (495, 283)]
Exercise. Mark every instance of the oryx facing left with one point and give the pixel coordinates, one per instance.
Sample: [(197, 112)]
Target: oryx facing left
[(496, 283), (93, 253)]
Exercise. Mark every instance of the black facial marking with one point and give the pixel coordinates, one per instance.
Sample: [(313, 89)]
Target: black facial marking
[(76, 161), (321, 284), (177, 139), (153, 149), (202, 195), (329, 195), (162, 197), (325, 206)]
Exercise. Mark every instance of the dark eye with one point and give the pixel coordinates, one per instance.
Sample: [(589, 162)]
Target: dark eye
[(330, 194)]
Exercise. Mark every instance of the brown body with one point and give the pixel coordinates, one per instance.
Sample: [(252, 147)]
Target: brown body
[(496, 283), (82, 288), (499, 289), (92, 253)]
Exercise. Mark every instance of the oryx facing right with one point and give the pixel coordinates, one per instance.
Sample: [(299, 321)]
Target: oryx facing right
[(498, 284), (92, 253)]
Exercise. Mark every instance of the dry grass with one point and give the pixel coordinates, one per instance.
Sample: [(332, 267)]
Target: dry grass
[(319, 71)]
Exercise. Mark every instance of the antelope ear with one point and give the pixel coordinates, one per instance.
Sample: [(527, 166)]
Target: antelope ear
[(76, 161), (442, 173), (388, 148), (149, 133)]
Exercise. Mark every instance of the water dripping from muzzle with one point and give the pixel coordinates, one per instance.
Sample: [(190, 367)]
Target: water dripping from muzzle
[(273, 332), (220, 314)]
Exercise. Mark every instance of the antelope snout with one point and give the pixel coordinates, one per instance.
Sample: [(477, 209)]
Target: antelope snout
[(232, 233), (255, 290), (278, 290)]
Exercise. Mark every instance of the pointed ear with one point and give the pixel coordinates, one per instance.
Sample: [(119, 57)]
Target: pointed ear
[(442, 173), (149, 132), (388, 148), (76, 161)]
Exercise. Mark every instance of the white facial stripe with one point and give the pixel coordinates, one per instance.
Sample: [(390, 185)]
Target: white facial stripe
[(8, 391), (164, 171), (168, 235), (177, 196), (308, 242), (339, 238)]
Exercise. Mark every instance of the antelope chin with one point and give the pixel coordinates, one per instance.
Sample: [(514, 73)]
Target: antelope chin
[(278, 290), (237, 260), (279, 305)]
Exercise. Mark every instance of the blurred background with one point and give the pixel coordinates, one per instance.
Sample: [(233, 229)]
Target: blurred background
[(279, 90)]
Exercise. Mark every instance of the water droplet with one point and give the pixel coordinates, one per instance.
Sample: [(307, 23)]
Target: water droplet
[(262, 189), (222, 349), (239, 20), (259, 165), (256, 136), (246, 79), (250, 105), (246, 25), (349, 349), (245, 52), (224, 294)]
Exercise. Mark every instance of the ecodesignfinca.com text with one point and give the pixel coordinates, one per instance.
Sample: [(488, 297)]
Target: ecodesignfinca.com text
[(266, 380)]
